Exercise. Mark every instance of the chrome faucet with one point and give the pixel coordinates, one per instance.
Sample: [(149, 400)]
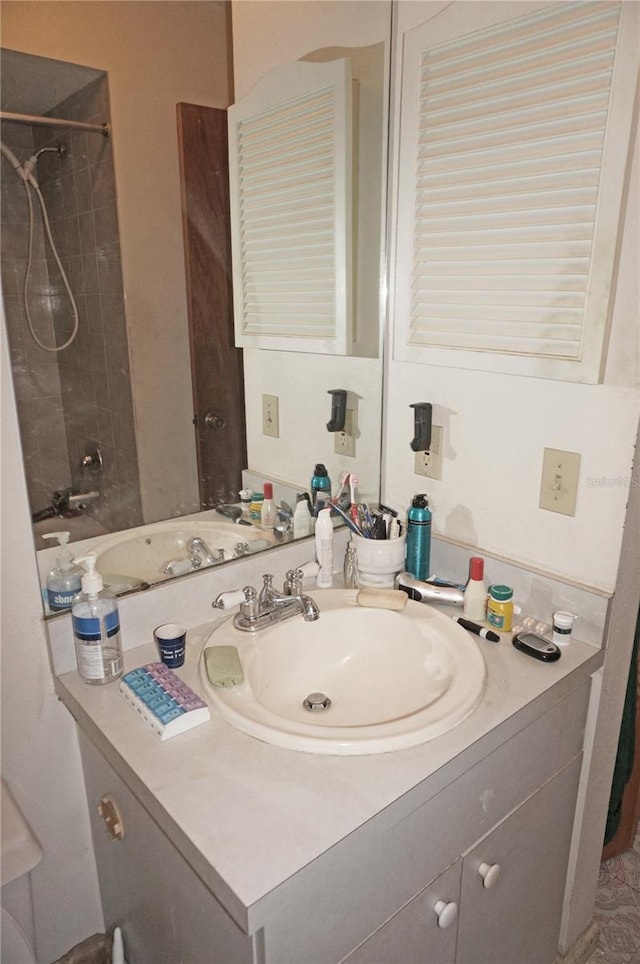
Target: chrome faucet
[(259, 611), (91, 461), (198, 545)]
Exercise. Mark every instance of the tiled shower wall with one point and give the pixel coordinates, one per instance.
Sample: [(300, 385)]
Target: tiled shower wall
[(35, 372), (88, 383)]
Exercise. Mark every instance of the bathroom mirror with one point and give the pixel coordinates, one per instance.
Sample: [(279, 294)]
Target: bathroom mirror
[(137, 62)]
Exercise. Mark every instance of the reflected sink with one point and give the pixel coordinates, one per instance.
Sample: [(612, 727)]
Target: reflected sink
[(132, 558), (394, 679)]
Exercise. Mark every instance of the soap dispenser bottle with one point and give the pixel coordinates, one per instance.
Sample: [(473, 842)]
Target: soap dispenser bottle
[(64, 580), (96, 629)]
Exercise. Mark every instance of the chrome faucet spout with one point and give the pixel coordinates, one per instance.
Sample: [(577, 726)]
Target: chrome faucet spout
[(198, 545), (271, 606)]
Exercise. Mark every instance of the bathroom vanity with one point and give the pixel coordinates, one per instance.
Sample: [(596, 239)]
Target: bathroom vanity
[(234, 850)]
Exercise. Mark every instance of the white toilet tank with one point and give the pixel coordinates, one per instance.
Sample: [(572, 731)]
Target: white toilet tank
[(21, 852)]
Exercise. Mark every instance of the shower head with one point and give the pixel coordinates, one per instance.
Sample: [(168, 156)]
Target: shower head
[(60, 149)]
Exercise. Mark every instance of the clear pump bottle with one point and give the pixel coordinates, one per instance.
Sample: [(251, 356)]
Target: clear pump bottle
[(63, 581), (96, 629)]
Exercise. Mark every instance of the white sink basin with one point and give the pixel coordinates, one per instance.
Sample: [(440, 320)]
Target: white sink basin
[(141, 557), (395, 679)]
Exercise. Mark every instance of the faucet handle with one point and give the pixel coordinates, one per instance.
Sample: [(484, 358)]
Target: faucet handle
[(226, 600), (250, 607), (293, 582), (267, 590)]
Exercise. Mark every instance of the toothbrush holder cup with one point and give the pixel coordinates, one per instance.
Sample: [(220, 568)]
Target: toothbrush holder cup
[(379, 560)]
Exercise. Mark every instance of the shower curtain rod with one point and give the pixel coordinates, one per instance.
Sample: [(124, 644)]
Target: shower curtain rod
[(6, 115)]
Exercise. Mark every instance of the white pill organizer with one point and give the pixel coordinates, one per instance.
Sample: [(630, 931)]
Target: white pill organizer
[(162, 700)]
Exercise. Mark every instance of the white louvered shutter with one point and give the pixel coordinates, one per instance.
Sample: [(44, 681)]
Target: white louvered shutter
[(290, 182), (515, 140)]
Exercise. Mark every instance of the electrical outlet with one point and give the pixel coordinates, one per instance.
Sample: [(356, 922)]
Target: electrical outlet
[(559, 485), (429, 463), (345, 441), (270, 416)]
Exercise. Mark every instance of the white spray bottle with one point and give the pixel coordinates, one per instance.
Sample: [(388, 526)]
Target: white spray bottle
[(64, 580), (96, 629), (324, 549)]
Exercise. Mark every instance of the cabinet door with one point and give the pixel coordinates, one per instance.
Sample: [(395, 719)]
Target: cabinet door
[(422, 932), (512, 915)]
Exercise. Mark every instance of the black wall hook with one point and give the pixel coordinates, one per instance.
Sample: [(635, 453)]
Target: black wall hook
[(421, 440), (338, 409)]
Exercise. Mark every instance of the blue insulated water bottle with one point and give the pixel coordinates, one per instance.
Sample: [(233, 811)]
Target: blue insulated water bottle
[(320, 485), (418, 553)]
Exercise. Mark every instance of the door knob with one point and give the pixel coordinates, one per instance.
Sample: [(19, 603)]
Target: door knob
[(446, 912), (214, 420), (490, 874)]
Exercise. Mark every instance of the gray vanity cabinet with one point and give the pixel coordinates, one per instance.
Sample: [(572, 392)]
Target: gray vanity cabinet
[(468, 872), (510, 914)]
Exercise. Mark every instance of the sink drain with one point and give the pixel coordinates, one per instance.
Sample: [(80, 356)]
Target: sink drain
[(316, 702)]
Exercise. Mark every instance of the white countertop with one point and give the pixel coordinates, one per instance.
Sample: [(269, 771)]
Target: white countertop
[(247, 815)]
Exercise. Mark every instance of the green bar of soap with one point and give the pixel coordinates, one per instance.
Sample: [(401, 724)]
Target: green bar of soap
[(223, 665)]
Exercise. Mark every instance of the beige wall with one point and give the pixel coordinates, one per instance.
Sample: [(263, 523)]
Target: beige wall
[(156, 55)]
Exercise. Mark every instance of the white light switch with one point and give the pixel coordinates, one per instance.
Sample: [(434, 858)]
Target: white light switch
[(270, 416), (559, 487)]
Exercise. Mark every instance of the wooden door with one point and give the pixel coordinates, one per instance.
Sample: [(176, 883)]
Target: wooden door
[(625, 835), (216, 364)]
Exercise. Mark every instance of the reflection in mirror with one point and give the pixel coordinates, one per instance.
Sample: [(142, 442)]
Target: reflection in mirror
[(108, 423)]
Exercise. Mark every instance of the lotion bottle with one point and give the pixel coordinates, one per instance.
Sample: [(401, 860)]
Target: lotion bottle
[(64, 581), (302, 524), (324, 549), (96, 629), (475, 593), (268, 511)]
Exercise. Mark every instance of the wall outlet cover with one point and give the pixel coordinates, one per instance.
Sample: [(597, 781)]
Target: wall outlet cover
[(429, 464)]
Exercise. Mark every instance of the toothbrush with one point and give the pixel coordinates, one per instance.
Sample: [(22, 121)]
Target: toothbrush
[(353, 481), (350, 522), (343, 481)]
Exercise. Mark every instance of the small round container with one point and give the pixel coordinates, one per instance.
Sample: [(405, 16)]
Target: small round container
[(255, 507), (500, 608), (379, 560), (563, 627)]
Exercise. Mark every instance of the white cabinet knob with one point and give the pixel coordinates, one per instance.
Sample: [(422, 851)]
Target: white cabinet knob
[(490, 874), (446, 913)]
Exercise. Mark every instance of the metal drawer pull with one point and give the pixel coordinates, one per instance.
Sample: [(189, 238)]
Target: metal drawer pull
[(447, 913), (490, 874)]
